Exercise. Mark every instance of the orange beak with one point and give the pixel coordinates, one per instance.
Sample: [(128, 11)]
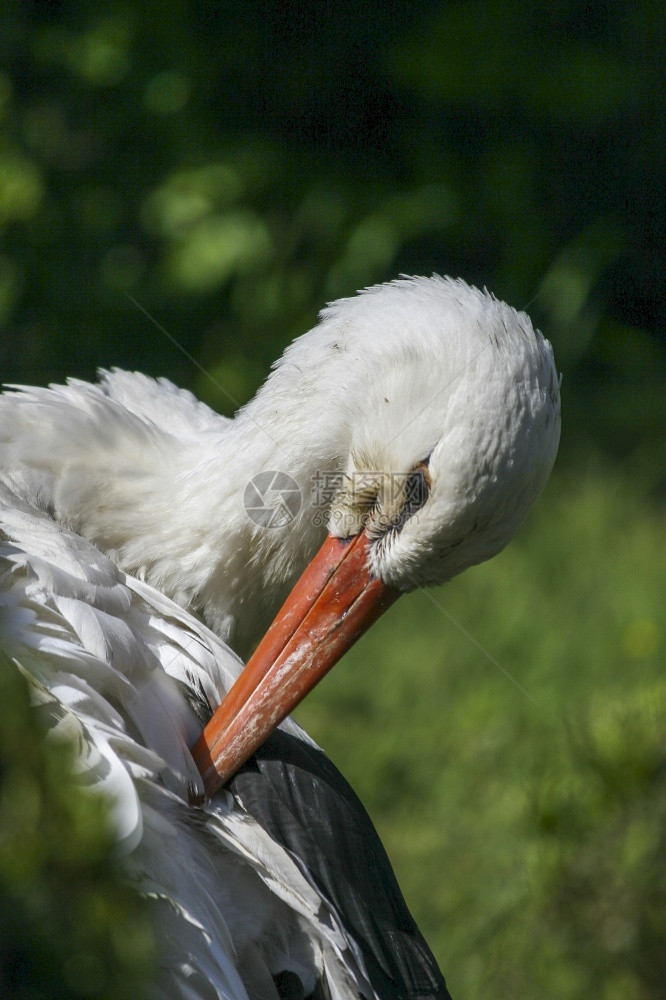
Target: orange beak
[(336, 599)]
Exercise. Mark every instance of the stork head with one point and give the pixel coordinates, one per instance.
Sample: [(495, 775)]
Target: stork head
[(454, 427), (450, 404)]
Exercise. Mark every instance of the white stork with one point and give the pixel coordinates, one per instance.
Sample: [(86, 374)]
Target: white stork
[(130, 569)]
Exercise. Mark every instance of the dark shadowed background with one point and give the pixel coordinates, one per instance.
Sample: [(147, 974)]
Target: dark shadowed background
[(199, 179)]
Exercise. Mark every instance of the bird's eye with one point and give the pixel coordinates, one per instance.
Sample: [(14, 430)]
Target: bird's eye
[(417, 489), (400, 496)]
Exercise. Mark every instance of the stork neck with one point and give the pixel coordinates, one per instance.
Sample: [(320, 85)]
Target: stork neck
[(266, 494), (190, 525)]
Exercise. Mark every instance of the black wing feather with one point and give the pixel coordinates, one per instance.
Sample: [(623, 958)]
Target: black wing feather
[(294, 791)]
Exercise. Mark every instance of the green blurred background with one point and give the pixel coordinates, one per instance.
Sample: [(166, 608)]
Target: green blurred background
[(226, 169)]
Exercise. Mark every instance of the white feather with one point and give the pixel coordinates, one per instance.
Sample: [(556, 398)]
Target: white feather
[(123, 676)]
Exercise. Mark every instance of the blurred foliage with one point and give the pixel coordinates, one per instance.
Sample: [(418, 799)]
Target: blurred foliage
[(69, 926), (518, 776), (229, 168), (206, 176), (603, 829)]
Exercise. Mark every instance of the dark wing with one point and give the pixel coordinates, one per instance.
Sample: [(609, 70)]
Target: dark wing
[(300, 798)]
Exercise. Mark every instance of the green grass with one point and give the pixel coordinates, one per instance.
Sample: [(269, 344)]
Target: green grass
[(522, 815)]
